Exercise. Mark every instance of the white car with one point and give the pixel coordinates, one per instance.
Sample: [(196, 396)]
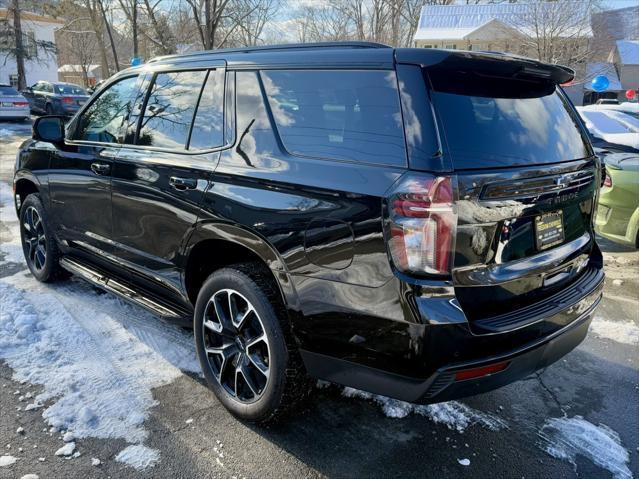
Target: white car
[(13, 106), (611, 126), (626, 107)]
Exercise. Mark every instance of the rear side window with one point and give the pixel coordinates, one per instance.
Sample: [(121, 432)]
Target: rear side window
[(169, 109), (338, 114), (208, 124), (69, 89), (493, 122), (8, 90)]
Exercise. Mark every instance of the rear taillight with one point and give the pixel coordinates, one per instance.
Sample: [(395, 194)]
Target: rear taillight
[(21, 103), (66, 99), (608, 181), (421, 224)]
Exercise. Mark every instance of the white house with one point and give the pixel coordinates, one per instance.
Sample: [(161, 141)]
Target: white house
[(625, 57), (35, 28), (497, 27)]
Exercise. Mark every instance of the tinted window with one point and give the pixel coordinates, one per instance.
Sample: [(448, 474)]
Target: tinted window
[(602, 123), (346, 115), (504, 122), (105, 117), (67, 89), (169, 109), (208, 124), (8, 90)]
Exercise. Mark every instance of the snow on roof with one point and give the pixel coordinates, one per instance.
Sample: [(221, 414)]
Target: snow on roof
[(77, 68), (457, 21), (628, 51), (602, 68)]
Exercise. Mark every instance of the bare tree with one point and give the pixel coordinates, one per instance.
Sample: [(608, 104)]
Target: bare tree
[(208, 15), (248, 18)]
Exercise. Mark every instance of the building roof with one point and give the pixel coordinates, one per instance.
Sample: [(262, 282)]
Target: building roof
[(78, 69), (628, 51), (457, 22), (602, 68), (32, 17)]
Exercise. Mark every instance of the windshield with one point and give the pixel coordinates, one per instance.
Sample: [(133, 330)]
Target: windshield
[(62, 89), (602, 123), (504, 122), (8, 91)]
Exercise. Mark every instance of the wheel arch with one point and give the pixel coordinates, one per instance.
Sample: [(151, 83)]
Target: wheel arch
[(215, 245), (23, 186)]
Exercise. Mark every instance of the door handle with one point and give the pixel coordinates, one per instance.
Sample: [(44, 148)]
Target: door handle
[(182, 184), (100, 168)]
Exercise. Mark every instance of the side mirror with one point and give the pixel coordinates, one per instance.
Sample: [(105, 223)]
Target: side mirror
[(49, 129)]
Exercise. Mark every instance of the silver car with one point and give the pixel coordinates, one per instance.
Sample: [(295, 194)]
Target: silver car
[(13, 106)]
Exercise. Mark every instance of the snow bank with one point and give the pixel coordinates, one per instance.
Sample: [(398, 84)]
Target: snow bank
[(97, 357), (7, 460), (454, 415), (626, 332), (138, 457), (565, 438)]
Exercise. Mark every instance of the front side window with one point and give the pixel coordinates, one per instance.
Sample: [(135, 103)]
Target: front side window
[(339, 114), (169, 109), (104, 119)]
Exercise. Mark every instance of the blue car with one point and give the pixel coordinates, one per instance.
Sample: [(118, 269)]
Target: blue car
[(49, 98)]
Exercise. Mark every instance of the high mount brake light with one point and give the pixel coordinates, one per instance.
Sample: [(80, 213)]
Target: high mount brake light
[(421, 224)]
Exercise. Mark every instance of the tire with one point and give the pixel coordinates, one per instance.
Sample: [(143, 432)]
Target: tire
[(252, 394), (38, 244)]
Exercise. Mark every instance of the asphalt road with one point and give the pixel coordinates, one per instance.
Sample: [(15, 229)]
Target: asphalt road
[(335, 436)]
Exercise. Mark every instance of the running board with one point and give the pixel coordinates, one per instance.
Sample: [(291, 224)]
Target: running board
[(113, 286)]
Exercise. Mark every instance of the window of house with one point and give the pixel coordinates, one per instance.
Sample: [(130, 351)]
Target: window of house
[(428, 46), (339, 114), (450, 46), (169, 109)]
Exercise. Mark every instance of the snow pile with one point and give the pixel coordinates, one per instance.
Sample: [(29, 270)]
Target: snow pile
[(626, 332), (7, 460), (4, 132), (11, 251), (138, 457), (565, 438), (454, 415)]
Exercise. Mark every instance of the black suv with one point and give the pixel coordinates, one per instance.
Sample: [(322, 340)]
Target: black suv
[(416, 223)]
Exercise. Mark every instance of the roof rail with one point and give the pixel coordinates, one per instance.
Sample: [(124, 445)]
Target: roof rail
[(281, 47)]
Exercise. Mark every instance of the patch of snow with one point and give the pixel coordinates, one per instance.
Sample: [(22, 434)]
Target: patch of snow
[(97, 357), (20, 430), (464, 462), (32, 406), (617, 282), (454, 415), (95, 461), (68, 436), (5, 132), (138, 456), (565, 438), (7, 460), (321, 384), (30, 476), (626, 332), (66, 450), (189, 420)]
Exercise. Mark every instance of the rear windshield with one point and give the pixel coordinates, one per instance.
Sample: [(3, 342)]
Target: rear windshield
[(8, 90), (69, 90), (494, 122)]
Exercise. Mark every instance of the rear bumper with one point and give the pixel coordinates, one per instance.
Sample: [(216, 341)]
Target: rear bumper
[(442, 386), (15, 114), (449, 345)]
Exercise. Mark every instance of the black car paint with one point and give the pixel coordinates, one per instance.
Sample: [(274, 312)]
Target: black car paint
[(318, 225)]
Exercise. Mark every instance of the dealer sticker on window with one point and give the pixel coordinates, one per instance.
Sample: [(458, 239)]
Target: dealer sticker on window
[(549, 229)]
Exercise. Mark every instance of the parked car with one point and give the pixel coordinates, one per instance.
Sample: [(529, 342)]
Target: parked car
[(626, 107), (55, 98), (415, 223), (13, 106), (615, 130), (618, 211), (607, 101)]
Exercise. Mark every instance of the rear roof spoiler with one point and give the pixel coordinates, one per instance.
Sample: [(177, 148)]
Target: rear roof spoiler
[(501, 65)]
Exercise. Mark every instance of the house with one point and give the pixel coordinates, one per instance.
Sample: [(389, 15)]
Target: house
[(37, 31), (625, 58), (85, 75), (505, 27)]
